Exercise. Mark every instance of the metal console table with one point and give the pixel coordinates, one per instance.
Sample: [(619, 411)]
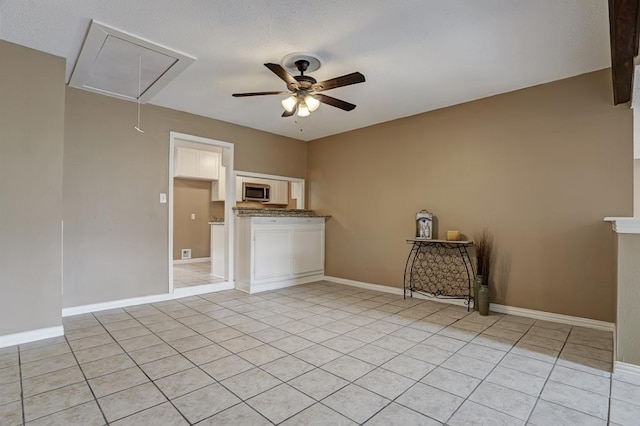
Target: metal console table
[(439, 268)]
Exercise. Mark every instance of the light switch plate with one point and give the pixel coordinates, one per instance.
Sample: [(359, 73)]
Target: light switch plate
[(193, 216), (163, 198)]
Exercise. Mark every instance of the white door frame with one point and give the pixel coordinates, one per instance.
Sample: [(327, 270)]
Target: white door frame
[(230, 201)]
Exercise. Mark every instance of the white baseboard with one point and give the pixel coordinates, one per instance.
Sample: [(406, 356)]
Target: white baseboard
[(392, 290), (503, 309), (201, 289), (626, 372), (553, 317), (275, 285), (194, 260), (122, 303), (30, 336)]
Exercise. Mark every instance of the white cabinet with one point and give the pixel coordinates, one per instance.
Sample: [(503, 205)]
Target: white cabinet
[(276, 252), (239, 181), (279, 192), (217, 249), (307, 242), (192, 163), (218, 187), (271, 251)]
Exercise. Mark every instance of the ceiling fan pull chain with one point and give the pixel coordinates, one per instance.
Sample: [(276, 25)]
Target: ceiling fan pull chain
[(139, 94)]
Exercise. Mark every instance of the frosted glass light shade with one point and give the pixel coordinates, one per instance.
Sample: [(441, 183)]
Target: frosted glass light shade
[(303, 110), (289, 104), (312, 103)]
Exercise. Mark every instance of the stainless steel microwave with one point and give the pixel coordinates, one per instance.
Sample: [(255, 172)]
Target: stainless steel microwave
[(256, 192)]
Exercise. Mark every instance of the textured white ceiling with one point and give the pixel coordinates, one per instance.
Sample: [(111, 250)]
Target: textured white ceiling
[(417, 55)]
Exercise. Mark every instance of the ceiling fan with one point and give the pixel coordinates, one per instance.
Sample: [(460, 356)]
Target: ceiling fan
[(305, 90)]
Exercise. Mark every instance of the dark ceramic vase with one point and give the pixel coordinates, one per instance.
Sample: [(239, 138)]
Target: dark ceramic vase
[(477, 282), (483, 300)]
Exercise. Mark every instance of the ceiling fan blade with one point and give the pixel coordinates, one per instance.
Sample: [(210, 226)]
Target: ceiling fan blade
[(338, 103), (242, 95), (345, 80), (292, 84), (287, 113)]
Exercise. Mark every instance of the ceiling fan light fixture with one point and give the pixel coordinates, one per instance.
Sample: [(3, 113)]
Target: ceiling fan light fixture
[(303, 110), (311, 102), (289, 104)]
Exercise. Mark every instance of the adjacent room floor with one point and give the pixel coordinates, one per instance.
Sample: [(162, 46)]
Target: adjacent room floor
[(318, 354), (193, 274)]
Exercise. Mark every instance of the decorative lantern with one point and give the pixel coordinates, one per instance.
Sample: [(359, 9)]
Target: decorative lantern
[(424, 225)]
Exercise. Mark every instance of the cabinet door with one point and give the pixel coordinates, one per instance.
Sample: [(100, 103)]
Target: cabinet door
[(307, 249), (279, 192), (271, 252), (208, 163), (239, 182), (219, 187), (186, 162)]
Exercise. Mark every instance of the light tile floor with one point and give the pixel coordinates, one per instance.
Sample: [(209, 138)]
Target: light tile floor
[(193, 274), (318, 354)]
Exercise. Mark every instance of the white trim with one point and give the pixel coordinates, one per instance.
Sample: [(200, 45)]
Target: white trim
[(622, 369), (175, 139), (258, 288), (123, 303), (96, 307), (503, 309), (193, 260), (553, 317), (624, 225), (30, 336), (201, 289), (392, 290)]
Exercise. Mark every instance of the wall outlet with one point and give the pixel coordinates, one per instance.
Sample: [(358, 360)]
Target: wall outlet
[(193, 216), (186, 254)]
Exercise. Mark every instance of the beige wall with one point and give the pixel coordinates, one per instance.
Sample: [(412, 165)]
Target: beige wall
[(628, 274), (191, 196), (116, 231), (31, 139), (540, 167)]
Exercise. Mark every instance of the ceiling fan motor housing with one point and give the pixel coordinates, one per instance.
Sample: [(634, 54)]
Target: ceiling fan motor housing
[(305, 80)]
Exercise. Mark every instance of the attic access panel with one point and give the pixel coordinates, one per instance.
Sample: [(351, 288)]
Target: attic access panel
[(109, 60)]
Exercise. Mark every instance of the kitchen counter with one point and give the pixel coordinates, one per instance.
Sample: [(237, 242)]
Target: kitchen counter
[(278, 250), (273, 212), (221, 222)]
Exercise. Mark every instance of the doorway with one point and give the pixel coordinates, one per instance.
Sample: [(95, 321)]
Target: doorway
[(201, 195)]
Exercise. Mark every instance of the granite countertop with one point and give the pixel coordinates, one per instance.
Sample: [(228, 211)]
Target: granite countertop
[(216, 222), (274, 212)]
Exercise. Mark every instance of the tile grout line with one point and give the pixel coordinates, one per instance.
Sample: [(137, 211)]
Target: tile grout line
[(374, 319), (24, 417), (153, 381), (610, 398), (85, 378), (316, 367), (547, 378), (481, 381), (242, 401), (329, 304), (610, 378), (375, 366), (143, 372)]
